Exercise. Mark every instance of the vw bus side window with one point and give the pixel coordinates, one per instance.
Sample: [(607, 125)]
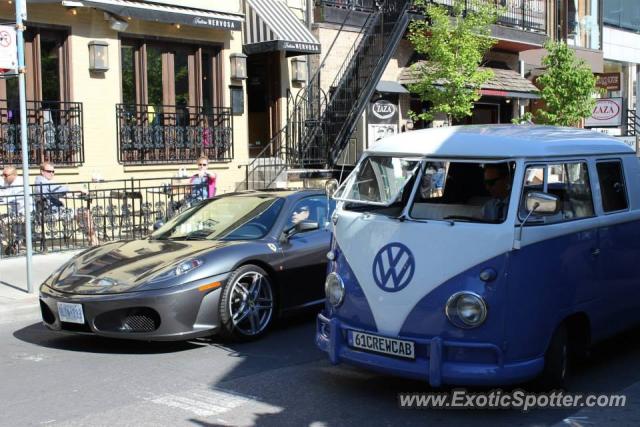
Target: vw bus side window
[(464, 191), (379, 180), (612, 188), (568, 181)]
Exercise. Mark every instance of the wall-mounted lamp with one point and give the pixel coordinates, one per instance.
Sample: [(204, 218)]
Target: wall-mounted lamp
[(98, 56), (73, 11), (117, 24), (299, 70), (238, 66)]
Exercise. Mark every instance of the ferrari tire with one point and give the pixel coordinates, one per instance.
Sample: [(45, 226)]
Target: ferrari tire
[(247, 304)]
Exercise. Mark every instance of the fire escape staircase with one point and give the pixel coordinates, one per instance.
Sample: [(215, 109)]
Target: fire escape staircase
[(633, 123), (319, 124)]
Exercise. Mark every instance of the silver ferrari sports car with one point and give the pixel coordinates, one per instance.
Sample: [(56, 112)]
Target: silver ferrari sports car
[(228, 265)]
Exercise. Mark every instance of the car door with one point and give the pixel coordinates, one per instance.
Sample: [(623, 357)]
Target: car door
[(619, 248), (556, 269), (304, 261)]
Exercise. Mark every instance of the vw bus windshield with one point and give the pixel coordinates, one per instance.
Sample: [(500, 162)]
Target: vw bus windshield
[(378, 180), (464, 191)]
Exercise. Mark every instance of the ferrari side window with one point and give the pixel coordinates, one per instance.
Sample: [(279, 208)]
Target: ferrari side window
[(315, 209)]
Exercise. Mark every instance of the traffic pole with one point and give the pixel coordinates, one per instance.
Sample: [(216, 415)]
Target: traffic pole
[(21, 16)]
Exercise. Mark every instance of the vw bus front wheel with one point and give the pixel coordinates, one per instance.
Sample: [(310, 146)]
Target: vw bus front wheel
[(556, 361)]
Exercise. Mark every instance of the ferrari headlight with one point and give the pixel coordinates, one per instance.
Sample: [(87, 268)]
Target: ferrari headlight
[(466, 310), (176, 270), (334, 289)]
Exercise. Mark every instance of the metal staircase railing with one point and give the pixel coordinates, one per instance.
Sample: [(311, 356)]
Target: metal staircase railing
[(319, 125), (633, 123), (360, 74), (303, 112)]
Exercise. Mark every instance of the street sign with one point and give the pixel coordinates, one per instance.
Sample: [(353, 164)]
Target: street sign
[(607, 112), (608, 81), (8, 48)]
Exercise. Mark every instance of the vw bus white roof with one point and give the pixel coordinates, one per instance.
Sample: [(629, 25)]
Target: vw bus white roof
[(502, 141)]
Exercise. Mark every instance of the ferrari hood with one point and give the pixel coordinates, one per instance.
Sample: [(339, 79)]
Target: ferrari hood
[(127, 266)]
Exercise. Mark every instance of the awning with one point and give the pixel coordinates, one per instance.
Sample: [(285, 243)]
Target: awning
[(389, 86), (271, 26), (504, 83), (156, 12)]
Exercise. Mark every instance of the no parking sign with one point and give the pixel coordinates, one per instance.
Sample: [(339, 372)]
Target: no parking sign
[(8, 48)]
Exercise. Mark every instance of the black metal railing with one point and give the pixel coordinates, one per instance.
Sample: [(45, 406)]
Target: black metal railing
[(359, 5), (357, 79), (319, 125), (54, 133), (529, 15), (263, 171), (633, 123), (166, 134), (81, 214)]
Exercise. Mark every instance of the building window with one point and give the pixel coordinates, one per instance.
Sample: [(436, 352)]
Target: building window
[(579, 23), (54, 122), (622, 13), (172, 104)]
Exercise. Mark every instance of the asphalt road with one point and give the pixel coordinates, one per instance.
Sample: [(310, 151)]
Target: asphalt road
[(282, 380)]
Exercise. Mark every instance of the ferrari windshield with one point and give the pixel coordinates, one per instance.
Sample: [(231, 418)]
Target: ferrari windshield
[(378, 180), (225, 218)]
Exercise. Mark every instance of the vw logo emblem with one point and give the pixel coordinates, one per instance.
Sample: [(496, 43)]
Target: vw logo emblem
[(393, 267)]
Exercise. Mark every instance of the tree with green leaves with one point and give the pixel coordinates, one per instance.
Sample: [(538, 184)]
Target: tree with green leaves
[(454, 40), (567, 88)]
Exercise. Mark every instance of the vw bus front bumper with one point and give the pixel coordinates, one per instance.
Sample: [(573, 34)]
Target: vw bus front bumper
[(434, 359)]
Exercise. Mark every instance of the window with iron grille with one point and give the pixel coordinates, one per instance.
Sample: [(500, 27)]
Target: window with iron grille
[(54, 121), (172, 104)]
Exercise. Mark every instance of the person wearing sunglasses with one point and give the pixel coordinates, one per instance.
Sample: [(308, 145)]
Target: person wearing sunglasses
[(300, 214), (498, 183), (11, 190), (46, 190), (11, 220), (203, 183), (47, 197)]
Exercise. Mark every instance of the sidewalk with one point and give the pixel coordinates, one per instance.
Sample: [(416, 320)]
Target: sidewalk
[(13, 277)]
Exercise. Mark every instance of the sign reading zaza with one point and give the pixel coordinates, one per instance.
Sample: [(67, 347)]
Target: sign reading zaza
[(607, 112), (382, 120), (8, 48)]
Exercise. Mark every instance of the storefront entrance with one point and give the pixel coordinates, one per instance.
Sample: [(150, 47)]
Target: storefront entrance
[(263, 92)]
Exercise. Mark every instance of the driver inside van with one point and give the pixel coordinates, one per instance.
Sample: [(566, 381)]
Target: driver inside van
[(498, 183)]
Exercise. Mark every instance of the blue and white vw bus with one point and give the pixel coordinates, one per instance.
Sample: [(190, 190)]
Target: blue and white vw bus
[(483, 255)]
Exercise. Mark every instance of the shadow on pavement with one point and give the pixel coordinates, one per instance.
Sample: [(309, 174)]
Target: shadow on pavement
[(296, 380), (39, 335)]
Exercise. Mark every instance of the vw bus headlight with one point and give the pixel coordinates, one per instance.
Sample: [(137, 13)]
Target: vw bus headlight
[(334, 289), (466, 310)]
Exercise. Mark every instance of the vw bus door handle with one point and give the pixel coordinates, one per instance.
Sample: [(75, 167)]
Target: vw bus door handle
[(595, 251)]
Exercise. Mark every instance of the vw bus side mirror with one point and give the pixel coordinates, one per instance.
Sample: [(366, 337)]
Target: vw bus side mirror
[(330, 187), (540, 203)]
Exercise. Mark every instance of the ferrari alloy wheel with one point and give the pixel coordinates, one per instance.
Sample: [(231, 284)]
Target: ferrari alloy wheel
[(247, 304)]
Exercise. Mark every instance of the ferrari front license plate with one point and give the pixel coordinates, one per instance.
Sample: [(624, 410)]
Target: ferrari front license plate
[(71, 313), (384, 345)]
